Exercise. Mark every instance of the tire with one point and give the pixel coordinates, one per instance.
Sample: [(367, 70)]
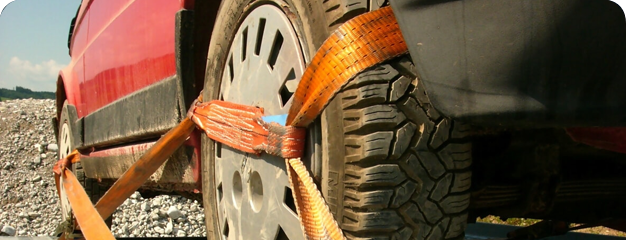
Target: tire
[(93, 189), (381, 192), (340, 11), (399, 170)]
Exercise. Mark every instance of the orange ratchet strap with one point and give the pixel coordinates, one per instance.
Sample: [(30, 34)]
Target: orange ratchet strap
[(90, 217), (241, 127), (85, 213), (140, 171), (358, 44)]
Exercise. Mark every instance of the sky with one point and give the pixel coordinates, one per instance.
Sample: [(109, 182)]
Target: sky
[(33, 42)]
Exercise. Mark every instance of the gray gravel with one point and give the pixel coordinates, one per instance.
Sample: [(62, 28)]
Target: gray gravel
[(162, 216), (28, 200)]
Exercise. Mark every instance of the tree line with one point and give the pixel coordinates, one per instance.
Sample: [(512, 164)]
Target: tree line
[(24, 93)]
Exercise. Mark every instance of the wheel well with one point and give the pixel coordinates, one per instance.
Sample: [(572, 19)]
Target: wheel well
[(61, 96), (205, 14)]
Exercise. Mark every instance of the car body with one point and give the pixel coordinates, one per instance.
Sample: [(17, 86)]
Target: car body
[(124, 70), (558, 63)]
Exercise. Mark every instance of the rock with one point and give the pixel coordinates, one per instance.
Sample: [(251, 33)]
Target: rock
[(162, 213), (159, 230), (37, 160), (145, 206), (169, 227), (39, 148), (156, 202), (53, 147), (135, 195), (34, 214), (43, 155), (174, 213), (154, 216), (181, 233), (37, 178), (8, 230)]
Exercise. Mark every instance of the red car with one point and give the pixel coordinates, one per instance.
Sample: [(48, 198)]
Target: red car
[(485, 115)]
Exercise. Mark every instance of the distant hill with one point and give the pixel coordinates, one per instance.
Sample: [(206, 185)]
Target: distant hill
[(24, 93)]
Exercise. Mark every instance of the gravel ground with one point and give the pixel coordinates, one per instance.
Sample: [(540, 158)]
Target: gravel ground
[(523, 222), (161, 216), (28, 199), (29, 204)]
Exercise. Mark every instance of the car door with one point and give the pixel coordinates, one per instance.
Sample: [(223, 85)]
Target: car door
[(131, 48), (72, 75)]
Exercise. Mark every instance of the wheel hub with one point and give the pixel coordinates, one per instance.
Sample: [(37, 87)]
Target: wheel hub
[(263, 68)]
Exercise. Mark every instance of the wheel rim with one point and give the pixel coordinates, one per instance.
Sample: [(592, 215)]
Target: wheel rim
[(263, 68), (65, 148), (65, 144)]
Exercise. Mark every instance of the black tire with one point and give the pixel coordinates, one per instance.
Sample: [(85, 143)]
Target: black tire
[(93, 189), (382, 192), (340, 11), (400, 170)]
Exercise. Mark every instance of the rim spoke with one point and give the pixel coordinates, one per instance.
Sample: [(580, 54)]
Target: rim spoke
[(290, 224)]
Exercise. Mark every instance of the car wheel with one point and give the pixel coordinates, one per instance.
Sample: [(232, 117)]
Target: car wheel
[(66, 145), (391, 166), (258, 56)]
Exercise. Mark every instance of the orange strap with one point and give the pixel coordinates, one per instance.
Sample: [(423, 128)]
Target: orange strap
[(241, 127), (358, 44), (89, 216), (140, 171), (85, 213)]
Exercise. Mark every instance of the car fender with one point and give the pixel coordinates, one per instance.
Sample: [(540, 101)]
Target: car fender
[(522, 63)]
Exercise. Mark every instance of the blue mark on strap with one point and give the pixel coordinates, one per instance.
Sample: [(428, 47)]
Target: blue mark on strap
[(280, 119)]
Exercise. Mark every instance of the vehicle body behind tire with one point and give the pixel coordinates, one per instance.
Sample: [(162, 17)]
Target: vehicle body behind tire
[(523, 64)]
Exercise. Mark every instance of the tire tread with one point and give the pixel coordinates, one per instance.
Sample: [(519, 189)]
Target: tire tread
[(407, 168)]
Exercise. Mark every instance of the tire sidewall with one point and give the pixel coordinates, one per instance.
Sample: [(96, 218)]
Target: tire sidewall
[(65, 118), (87, 183), (309, 23)]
